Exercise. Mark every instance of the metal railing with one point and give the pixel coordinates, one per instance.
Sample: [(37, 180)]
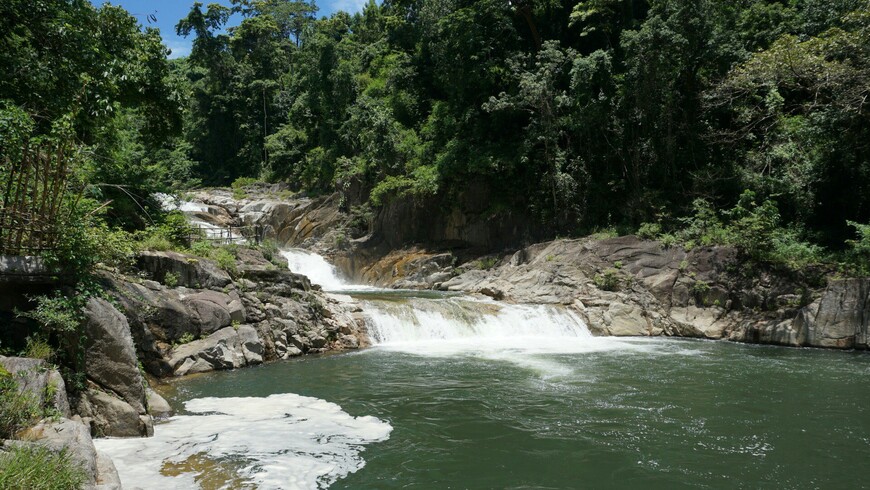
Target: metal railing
[(226, 235)]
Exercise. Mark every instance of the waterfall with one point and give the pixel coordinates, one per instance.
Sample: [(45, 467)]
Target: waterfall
[(466, 318), (318, 270), (406, 317)]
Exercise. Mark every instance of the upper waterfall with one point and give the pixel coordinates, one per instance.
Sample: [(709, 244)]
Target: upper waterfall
[(318, 270)]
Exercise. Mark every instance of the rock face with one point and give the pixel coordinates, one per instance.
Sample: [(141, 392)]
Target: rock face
[(44, 385), (843, 316), (115, 405), (228, 348), (621, 286), (110, 357), (190, 271), (627, 286), (110, 416), (268, 313)]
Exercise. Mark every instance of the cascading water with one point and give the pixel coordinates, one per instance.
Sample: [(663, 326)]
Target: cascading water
[(318, 270), (194, 209), (434, 323)]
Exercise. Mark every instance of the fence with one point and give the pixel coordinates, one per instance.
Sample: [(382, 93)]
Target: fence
[(32, 187), (226, 235)]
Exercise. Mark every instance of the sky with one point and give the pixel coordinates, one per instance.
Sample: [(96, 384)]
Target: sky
[(169, 12)]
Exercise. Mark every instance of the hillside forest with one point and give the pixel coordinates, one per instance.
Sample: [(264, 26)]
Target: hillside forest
[(695, 122)]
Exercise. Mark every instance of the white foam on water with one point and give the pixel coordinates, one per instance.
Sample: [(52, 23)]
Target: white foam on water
[(530, 336), (318, 270), (282, 441)]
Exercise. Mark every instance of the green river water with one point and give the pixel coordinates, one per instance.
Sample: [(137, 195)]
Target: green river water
[(635, 414)]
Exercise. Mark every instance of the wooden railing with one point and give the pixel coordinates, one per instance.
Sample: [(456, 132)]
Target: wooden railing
[(32, 188)]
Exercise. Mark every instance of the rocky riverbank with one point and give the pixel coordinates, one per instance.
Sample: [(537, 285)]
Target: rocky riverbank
[(621, 286)]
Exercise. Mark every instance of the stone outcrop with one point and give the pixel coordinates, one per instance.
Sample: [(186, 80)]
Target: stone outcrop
[(109, 416), (158, 407), (628, 287), (188, 270), (110, 357), (268, 313), (621, 286), (228, 348)]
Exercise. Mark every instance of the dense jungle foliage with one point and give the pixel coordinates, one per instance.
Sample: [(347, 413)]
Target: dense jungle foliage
[(699, 121)]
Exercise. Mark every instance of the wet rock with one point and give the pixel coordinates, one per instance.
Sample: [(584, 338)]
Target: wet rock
[(157, 405)]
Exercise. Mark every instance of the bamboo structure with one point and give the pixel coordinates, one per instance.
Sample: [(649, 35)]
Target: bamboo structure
[(32, 188)]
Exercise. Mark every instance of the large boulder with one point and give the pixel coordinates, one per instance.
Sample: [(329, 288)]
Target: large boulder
[(110, 357), (190, 271), (212, 310), (44, 384), (109, 416)]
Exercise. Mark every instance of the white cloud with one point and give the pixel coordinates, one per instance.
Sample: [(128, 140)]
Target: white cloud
[(350, 6), (179, 47)]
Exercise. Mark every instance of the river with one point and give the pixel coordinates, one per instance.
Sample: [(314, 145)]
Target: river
[(461, 392)]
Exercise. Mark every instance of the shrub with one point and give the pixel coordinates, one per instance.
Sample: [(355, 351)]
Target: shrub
[(608, 281), (487, 263), (84, 240), (239, 185), (243, 182), (173, 232), (186, 339), (171, 279), (56, 313), (605, 233), (34, 467), (859, 249), (699, 290), (649, 231), (269, 249), (18, 410), (201, 248), (38, 348), (224, 259)]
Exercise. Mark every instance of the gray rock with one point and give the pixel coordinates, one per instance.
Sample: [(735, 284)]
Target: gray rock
[(72, 436), (157, 405), (110, 358), (107, 475), (227, 348), (109, 416), (843, 319), (35, 377), (193, 272), (213, 310)]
